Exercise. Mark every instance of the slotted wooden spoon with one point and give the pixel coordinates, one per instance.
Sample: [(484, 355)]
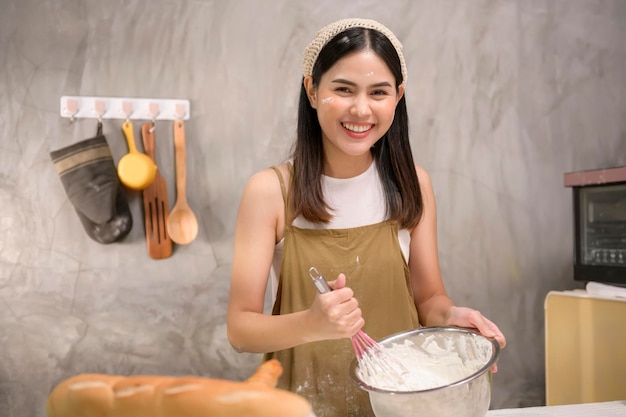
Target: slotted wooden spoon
[(155, 205), (182, 225)]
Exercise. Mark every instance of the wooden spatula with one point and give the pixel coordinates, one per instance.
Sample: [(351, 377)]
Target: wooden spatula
[(155, 206)]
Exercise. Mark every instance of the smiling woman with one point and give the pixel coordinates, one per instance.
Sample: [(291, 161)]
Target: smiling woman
[(357, 108), (352, 203)]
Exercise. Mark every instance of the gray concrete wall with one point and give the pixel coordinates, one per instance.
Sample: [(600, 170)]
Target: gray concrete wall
[(504, 97)]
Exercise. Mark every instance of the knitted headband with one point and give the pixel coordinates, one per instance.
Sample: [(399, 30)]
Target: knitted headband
[(328, 32)]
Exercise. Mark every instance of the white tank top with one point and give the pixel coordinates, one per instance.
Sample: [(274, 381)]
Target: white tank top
[(357, 201)]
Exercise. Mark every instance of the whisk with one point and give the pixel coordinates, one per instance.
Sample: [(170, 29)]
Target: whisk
[(371, 357)]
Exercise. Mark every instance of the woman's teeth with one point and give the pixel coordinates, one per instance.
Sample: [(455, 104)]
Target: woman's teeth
[(356, 128)]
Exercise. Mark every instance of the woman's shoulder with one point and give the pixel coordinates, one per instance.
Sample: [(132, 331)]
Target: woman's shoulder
[(422, 175), (266, 183)]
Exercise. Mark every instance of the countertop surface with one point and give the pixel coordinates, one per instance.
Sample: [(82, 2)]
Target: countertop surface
[(610, 408)]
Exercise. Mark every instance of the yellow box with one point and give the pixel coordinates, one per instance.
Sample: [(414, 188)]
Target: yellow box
[(585, 348)]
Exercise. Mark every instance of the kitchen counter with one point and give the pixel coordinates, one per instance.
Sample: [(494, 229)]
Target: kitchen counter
[(601, 409)]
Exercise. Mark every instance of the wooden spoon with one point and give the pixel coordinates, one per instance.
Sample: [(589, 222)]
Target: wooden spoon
[(182, 225)]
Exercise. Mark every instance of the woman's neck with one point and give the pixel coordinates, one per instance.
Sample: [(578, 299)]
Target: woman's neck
[(347, 166)]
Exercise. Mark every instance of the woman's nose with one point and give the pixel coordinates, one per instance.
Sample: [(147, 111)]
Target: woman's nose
[(360, 107)]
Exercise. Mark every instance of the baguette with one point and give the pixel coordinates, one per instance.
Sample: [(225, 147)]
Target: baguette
[(101, 395)]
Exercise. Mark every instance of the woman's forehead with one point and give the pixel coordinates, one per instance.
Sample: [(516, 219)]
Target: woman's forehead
[(364, 64)]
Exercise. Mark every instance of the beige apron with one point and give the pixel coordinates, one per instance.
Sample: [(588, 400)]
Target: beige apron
[(371, 258)]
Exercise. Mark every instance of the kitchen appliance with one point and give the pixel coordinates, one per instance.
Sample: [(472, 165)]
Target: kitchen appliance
[(599, 198)]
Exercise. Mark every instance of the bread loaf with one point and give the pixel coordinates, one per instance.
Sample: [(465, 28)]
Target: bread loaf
[(101, 395)]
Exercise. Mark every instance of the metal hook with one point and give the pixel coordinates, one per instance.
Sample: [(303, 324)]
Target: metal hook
[(127, 108), (100, 109), (154, 111), (71, 107), (180, 111)]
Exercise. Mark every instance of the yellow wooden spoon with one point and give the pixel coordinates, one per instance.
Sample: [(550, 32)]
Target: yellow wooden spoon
[(136, 170)]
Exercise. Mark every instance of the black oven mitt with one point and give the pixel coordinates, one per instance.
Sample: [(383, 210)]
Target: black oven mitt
[(88, 174)]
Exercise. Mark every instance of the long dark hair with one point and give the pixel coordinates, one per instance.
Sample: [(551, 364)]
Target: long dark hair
[(392, 152)]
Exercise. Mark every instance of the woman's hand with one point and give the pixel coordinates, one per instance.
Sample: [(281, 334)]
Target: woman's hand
[(336, 314), (470, 318)]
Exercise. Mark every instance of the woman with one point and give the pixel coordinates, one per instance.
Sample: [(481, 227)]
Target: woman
[(352, 203)]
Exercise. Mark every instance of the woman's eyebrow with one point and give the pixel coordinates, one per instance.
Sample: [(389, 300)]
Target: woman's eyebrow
[(350, 83)]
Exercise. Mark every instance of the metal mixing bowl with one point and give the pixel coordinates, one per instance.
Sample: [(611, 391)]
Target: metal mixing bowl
[(466, 395)]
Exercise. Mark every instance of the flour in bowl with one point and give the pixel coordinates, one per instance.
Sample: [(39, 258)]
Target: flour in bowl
[(430, 362)]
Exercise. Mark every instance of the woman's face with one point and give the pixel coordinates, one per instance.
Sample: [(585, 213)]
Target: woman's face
[(355, 101)]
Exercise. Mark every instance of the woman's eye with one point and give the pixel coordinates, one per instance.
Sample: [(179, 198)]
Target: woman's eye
[(379, 93), (342, 89)]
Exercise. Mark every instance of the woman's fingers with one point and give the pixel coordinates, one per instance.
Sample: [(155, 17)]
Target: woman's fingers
[(467, 317), (488, 328), (342, 309), (495, 331), (340, 282)]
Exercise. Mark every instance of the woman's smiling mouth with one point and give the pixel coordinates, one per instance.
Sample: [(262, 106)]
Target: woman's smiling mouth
[(357, 128)]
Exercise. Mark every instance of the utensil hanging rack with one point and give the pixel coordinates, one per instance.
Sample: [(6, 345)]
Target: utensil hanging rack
[(83, 107)]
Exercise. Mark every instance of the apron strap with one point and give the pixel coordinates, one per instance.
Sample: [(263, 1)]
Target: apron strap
[(283, 190)]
